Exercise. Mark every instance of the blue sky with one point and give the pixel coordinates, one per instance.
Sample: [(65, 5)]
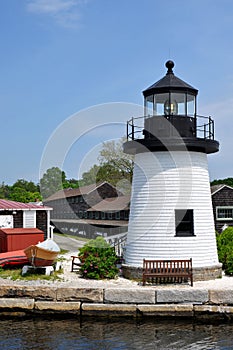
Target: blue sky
[(59, 57)]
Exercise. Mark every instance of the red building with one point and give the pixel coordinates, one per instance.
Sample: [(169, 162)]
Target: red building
[(15, 215)]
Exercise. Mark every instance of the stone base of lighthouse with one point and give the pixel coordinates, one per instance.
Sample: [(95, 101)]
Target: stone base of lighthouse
[(199, 273)]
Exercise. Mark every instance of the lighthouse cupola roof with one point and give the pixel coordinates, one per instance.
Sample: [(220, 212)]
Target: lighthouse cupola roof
[(170, 82)]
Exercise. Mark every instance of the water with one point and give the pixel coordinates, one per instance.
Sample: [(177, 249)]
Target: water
[(108, 335)]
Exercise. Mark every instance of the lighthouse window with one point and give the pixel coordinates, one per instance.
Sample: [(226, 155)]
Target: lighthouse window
[(224, 213), (184, 222)]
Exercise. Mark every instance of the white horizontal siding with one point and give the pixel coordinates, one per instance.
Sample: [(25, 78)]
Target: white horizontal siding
[(163, 182), (29, 218)]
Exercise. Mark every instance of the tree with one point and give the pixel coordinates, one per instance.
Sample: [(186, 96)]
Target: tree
[(27, 185), (71, 183), (19, 194), (21, 191), (112, 154), (4, 191), (52, 181), (90, 176), (115, 167)]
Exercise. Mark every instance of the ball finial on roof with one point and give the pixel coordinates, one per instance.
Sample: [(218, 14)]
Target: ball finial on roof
[(169, 64)]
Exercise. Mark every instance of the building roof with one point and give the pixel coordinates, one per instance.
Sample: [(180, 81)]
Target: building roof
[(12, 205), (73, 192), (112, 204), (216, 188), (169, 82)]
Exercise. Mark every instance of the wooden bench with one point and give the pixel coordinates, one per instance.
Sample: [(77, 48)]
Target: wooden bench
[(75, 263), (167, 270)]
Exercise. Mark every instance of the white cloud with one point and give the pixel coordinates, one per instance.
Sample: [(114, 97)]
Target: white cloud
[(64, 12)]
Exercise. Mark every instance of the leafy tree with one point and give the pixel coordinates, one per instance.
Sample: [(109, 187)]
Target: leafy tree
[(21, 191), (115, 167), (19, 194), (71, 183), (89, 177), (112, 154), (52, 181), (26, 185), (4, 191)]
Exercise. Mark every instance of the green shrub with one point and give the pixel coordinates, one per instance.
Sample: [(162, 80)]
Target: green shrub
[(225, 250), (98, 259)]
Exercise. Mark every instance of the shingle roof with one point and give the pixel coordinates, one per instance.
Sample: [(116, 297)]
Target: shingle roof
[(12, 205), (216, 188), (112, 204), (73, 192)]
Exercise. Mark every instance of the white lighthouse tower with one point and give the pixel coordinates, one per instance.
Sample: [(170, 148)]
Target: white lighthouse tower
[(171, 214)]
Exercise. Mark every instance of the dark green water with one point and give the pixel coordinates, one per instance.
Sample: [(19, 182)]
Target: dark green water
[(106, 334)]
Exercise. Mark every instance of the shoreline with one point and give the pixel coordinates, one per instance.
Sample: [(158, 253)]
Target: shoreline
[(75, 296)]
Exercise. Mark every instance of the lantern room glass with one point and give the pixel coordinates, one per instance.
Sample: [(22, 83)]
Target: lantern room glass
[(170, 103)]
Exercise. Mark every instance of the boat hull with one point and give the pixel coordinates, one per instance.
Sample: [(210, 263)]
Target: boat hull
[(12, 258), (39, 257)]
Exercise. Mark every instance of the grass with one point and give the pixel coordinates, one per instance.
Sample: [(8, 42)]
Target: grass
[(15, 274)]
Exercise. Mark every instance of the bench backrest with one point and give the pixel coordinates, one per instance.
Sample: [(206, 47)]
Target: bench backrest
[(167, 266)]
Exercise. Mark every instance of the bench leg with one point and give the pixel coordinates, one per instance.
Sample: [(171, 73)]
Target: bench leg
[(191, 280), (143, 280)]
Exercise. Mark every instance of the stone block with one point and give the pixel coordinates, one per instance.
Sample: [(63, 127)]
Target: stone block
[(16, 303), (54, 306), (206, 308), (179, 310), (130, 295), (214, 312), (109, 310), (94, 295), (221, 296), (191, 295), (35, 292)]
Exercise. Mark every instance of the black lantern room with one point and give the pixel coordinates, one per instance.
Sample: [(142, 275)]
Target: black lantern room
[(170, 119)]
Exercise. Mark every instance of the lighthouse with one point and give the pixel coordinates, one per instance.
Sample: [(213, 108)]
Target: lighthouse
[(171, 214)]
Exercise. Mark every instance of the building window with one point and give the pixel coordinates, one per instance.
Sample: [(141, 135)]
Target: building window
[(224, 213), (90, 215), (102, 215), (184, 222), (97, 215), (110, 216), (118, 215)]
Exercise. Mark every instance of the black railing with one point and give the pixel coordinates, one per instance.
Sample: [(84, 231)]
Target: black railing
[(202, 127)]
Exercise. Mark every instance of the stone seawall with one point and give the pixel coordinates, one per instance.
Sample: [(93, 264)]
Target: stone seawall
[(20, 301)]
